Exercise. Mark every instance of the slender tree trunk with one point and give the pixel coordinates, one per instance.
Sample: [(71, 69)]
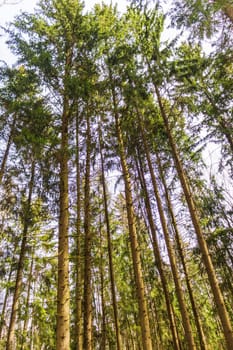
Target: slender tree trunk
[(31, 343), (27, 306), (111, 269), (78, 289), (7, 150), (223, 314), (157, 339), (63, 292), (87, 341), (202, 338), (157, 255), (103, 326), (19, 275), (3, 311), (4, 307), (172, 259), (142, 304)]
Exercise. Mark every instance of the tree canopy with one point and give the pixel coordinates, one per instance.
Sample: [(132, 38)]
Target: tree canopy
[(116, 149)]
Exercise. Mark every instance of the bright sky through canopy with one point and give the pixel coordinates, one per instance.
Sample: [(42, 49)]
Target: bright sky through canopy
[(11, 8)]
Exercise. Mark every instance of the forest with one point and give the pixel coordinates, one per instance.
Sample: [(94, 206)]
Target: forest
[(116, 149)]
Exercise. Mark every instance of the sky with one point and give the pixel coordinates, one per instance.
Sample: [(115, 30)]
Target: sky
[(10, 8)]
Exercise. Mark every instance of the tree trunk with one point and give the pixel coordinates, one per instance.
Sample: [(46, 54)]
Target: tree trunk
[(103, 326), (202, 339), (172, 259), (78, 289), (157, 256), (87, 341), (142, 304), (63, 293), (3, 311), (27, 306), (19, 275), (111, 269), (223, 314)]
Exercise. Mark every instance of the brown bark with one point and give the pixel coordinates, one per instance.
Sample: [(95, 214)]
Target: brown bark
[(172, 258), (19, 275), (63, 292), (4, 307), (3, 311), (142, 304), (78, 289), (26, 316), (104, 325), (87, 332), (218, 297), (202, 338), (157, 256), (111, 269)]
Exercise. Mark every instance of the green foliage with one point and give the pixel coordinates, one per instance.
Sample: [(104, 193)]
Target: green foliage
[(69, 63)]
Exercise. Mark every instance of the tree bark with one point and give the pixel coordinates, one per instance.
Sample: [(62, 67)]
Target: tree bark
[(222, 311), (111, 269), (87, 333), (27, 306), (3, 311), (157, 256), (78, 289), (63, 292), (104, 325), (184, 313), (202, 338), (142, 304)]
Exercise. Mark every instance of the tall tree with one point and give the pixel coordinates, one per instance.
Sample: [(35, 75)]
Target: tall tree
[(98, 96), (111, 268), (143, 310), (87, 298)]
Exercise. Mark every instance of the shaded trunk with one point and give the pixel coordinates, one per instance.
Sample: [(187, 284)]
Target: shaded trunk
[(172, 259), (19, 275), (78, 289), (223, 314), (103, 326), (157, 256), (87, 332), (202, 339), (142, 304), (63, 292), (3, 311), (111, 269), (27, 306)]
